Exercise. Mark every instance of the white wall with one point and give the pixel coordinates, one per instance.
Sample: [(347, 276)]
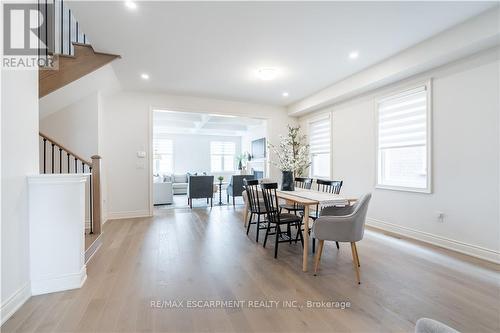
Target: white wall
[(254, 133), (192, 151), (76, 126), (465, 159), (126, 126), (103, 80), (19, 157)]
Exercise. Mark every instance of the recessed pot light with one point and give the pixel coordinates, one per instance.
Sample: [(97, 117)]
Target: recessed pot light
[(267, 73), (284, 94), (354, 55), (130, 5), (145, 76)]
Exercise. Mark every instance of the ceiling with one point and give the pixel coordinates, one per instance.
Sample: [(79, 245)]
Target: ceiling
[(173, 122), (213, 49)]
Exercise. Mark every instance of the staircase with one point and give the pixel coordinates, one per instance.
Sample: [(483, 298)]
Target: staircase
[(73, 57), (56, 158), (68, 46)]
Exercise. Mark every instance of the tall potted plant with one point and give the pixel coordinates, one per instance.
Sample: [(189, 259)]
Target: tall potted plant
[(291, 156)]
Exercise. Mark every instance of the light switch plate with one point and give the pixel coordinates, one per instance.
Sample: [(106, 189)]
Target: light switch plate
[(141, 154)]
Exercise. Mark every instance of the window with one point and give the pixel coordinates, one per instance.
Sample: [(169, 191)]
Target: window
[(163, 156), (222, 156), (319, 141), (403, 152)]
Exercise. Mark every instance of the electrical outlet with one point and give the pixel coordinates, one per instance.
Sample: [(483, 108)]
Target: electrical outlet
[(440, 216)]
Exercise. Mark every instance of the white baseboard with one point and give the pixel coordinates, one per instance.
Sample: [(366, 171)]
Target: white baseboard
[(127, 215), (14, 302), (59, 283), (450, 244)]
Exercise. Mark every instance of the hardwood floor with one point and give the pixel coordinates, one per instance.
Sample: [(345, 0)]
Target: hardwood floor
[(203, 254)]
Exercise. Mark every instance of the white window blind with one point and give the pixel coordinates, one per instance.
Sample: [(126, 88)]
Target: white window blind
[(403, 132), (319, 141), (222, 156), (163, 156)]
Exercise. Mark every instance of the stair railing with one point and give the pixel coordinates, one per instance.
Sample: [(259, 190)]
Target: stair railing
[(61, 30), (56, 159)]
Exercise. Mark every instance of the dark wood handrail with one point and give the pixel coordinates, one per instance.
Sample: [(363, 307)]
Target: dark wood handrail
[(94, 168), (84, 161)]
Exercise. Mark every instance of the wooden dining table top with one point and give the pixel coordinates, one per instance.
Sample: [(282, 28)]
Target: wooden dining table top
[(312, 197)]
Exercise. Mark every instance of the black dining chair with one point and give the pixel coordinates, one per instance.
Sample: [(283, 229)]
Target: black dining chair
[(300, 182), (327, 186), (256, 206), (275, 219)]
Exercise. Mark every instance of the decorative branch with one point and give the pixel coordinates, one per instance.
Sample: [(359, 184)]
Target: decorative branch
[(292, 153)]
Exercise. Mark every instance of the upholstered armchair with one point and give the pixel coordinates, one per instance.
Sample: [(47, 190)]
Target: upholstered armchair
[(345, 224), (200, 187), (426, 325), (235, 187)]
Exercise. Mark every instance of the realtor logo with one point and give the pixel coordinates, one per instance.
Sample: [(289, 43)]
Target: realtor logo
[(28, 35)]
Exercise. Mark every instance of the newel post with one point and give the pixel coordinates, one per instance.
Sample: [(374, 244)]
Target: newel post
[(96, 194)]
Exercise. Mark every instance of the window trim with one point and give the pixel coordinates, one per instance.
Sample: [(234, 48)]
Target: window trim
[(394, 93)]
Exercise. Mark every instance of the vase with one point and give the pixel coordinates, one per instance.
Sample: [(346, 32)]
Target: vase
[(287, 183)]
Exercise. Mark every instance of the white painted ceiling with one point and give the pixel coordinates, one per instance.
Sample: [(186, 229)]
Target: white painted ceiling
[(214, 48), (174, 122)]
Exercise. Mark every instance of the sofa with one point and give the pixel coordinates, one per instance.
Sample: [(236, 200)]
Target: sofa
[(162, 191), (179, 183)]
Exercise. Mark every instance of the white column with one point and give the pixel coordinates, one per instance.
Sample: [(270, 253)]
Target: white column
[(57, 232)]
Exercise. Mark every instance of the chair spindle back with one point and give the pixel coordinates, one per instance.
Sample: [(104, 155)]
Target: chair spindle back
[(304, 183), (329, 186), (251, 187), (271, 201)]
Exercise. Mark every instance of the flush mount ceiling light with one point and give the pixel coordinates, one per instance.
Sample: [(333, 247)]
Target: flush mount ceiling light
[(221, 115), (284, 94), (130, 5), (354, 55), (145, 76), (267, 73)]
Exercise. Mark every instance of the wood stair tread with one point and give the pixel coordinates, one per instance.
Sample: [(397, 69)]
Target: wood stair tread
[(72, 67)]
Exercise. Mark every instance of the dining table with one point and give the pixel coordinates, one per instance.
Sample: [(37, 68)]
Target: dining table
[(308, 198)]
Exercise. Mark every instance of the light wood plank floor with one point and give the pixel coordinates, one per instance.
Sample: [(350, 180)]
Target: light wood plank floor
[(205, 254)]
